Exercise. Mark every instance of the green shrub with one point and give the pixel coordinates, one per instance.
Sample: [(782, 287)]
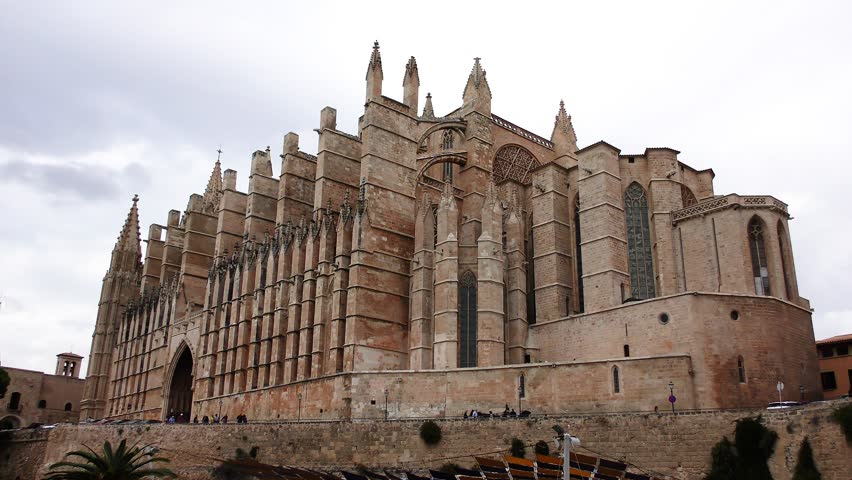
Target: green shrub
[(430, 432), (843, 417), (745, 458), (805, 466), (518, 448), (542, 448)]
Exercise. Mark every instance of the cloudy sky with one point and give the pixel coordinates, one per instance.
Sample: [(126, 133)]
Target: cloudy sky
[(101, 100)]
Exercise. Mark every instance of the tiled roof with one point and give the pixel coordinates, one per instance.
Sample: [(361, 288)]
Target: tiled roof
[(837, 338)]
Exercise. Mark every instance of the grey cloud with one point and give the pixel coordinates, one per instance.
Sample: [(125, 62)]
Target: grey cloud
[(83, 182)]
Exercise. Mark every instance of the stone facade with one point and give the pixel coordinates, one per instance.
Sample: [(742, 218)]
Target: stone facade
[(675, 446), (36, 397), (442, 261)]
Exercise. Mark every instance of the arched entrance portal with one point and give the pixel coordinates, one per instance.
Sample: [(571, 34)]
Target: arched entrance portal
[(180, 389)]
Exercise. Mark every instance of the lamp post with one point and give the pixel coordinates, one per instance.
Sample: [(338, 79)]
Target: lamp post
[(671, 395), (300, 406), (520, 396), (802, 393), (386, 404), (567, 442), (220, 409)]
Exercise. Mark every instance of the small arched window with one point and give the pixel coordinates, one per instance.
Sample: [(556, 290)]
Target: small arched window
[(759, 266), (639, 243), (42, 404), (741, 369), (616, 380), (687, 198), (68, 407), (15, 401), (467, 323), (522, 386), (447, 140)]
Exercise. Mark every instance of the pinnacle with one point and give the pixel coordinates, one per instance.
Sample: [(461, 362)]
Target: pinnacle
[(375, 59), (428, 111), (411, 72), (129, 239), (213, 192), (563, 130), (476, 79)]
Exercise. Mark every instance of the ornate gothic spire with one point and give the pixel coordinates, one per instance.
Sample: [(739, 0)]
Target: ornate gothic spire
[(477, 92), (563, 135), (411, 85), (375, 60), (428, 111), (129, 239), (213, 192), (411, 74)]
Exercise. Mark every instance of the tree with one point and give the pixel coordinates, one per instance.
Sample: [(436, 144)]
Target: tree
[(518, 448), (4, 382), (805, 466), (744, 458), (542, 448), (122, 463)]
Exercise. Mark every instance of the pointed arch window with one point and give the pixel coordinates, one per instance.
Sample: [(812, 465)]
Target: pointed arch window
[(782, 250), (530, 251), (467, 320), (759, 267), (686, 196), (578, 255), (616, 380), (639, 243), (741, 369)]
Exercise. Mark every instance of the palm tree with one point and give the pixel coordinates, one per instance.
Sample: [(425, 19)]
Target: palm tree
[(120, 464)]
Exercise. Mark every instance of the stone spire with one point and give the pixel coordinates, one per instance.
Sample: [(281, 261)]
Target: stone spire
[(213, 192), (477, 93), (127, 254), (411, 85), (374, 74), (563, 137), (428, 111), (129, 239)]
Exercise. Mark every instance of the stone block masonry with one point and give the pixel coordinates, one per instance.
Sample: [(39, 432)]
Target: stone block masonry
[(675, 446)]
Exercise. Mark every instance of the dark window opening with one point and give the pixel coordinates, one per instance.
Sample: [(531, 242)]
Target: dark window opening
[(627, 350), (616, 382), (826, 351), (631, 160), (735, 315), (42, 404), (527, 358), (68, 407), (522, 387), (828, 381), (15, 401), (741, 369), (843, 349), (578, 255), (531, 310), (664, 318), (468, 320)]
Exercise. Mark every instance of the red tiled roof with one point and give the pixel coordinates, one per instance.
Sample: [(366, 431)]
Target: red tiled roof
[(836, 338)]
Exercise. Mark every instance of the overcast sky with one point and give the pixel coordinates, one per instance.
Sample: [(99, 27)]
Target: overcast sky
[(100, 100)]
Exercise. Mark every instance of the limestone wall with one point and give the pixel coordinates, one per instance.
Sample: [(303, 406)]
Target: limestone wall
[(675, 445)]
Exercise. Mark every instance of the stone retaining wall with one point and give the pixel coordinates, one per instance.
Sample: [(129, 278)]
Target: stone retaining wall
[(677, 445)]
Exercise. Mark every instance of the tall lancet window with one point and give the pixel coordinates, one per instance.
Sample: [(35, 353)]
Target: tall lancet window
[(759, 267), (578, 255), (467, 320), (782, 250), (639, 243)]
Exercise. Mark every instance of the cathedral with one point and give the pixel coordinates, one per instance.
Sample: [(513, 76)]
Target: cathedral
[(428, 265)]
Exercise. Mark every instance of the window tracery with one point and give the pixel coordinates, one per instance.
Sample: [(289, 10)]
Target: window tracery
[(687, 197), (514, 162), (759, 267), (639, 243)]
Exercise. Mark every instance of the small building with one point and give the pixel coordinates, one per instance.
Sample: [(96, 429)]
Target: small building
[(835, 365), (37, 397)]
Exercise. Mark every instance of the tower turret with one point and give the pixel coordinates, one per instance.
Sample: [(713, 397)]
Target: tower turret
[(428, 110), (120, 284)]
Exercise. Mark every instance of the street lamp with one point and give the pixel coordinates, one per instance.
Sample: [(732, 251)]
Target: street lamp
[(300, 406), (386, 404), (220, 409), (802, 393), (567, 442), (671, 395)]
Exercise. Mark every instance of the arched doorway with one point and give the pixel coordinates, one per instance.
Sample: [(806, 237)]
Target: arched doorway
[(180, 389), (10, 422)]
